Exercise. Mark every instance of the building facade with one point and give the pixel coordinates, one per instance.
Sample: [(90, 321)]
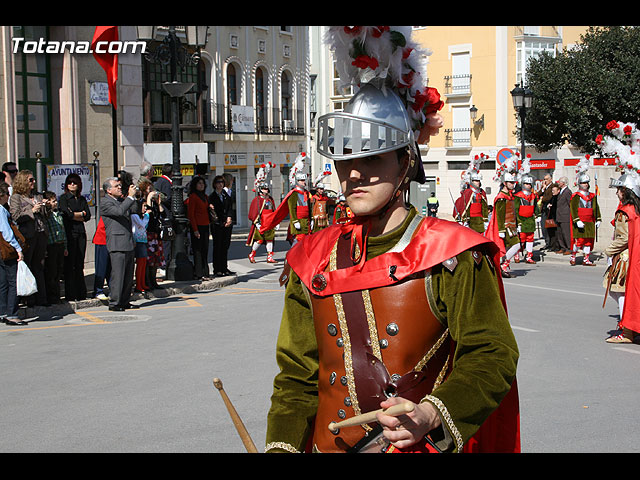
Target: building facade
[(248, 105), (476, 67)]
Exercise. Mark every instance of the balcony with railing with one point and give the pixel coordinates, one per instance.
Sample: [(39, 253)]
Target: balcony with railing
[(267, 121), (457, 85), (457, 138)]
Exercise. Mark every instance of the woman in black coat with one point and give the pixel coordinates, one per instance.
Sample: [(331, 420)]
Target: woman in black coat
[(75, 212), (554, 246), (221, 227)]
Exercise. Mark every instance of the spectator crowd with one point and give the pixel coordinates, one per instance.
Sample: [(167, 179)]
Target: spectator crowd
[(132, 240)]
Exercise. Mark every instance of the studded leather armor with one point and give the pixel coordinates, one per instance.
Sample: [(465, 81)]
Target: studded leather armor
[(372, 344)]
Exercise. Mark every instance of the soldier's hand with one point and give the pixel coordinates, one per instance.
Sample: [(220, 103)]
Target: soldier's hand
[(407, 429)]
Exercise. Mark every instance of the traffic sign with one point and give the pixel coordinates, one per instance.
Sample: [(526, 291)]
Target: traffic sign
[(503, 155)]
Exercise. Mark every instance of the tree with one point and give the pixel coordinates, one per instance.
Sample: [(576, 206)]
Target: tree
[(580, 90)]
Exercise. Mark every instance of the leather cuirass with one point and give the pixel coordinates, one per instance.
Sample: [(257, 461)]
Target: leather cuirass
[(374, 344)]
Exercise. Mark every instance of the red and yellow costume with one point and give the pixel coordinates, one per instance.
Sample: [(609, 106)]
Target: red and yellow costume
[(584, 208), (472, 209), (296, 205), (320, 214), (342, 213)]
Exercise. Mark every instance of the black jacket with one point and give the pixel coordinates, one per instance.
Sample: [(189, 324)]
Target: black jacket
[(222, 206)]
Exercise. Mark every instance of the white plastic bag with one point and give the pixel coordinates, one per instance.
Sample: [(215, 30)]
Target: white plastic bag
[(25, 281)]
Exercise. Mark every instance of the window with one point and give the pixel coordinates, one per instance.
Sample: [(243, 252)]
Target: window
[(232, 91), (157, 103), (530, 48), (260, 101), (33, 101), (461, 74), (286, 96), (337, 91), (460, 135)]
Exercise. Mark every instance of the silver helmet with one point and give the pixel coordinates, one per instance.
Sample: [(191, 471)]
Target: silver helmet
[(374, 121), (510, 177), (583, 178), (527, 179), (627, 180)]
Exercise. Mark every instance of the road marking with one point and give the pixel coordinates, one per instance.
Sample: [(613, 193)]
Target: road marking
[(624, 349), (555, 289), (52, 326), (91, 318), (95, 320), (245, 291), (513, 327)]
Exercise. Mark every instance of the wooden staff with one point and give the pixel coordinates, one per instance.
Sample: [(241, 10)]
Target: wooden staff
[(235, 418), (369, 417)]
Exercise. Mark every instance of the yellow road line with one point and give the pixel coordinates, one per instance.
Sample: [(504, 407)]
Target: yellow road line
[(52, 326), (245, 291), (91, 318), (95, 320)]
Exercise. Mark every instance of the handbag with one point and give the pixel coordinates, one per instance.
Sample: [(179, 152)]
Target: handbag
[(7, 251), (550, 223), (25, 281), (166, 230)]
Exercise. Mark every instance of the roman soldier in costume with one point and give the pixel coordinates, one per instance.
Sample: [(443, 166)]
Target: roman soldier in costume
[(350, 341), (296, 204), (624, 251), (527, 210), (503, 227), (342, 213), (319, 204), (585, 215), (262, 205), (471, 208)]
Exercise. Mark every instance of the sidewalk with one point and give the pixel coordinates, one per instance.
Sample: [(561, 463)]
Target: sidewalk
[(167, 288)]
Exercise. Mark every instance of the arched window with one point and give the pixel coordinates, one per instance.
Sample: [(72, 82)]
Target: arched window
[(261, 123), (232, 88), (286, 96)]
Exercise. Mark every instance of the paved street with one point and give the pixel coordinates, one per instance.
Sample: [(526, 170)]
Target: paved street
[(141, 381)]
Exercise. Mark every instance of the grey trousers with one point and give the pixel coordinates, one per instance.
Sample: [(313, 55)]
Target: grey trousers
[(121, 281)]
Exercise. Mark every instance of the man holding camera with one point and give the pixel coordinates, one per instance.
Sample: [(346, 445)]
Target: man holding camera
[(116, 211)]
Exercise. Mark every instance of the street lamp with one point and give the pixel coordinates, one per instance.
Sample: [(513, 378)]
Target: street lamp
[(522, 101), (170, 52)]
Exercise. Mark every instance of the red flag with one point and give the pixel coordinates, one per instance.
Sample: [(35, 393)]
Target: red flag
[(108, 61)]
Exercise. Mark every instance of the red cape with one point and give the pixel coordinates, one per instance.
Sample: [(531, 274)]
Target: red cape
[(631, 311), (461, 203), (440, 240), (271, 219), (311, 256)]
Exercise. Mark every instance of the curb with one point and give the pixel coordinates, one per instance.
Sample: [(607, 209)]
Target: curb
[(169, 289)]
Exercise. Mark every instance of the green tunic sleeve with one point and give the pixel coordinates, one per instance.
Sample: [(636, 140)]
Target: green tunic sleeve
[(486, 352), (295, 389), (499, 209), (292, 203)]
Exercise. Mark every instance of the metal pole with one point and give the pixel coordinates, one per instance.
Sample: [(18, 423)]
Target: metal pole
[(180, 268), (523, 114), (38, 173), (96, 181)]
